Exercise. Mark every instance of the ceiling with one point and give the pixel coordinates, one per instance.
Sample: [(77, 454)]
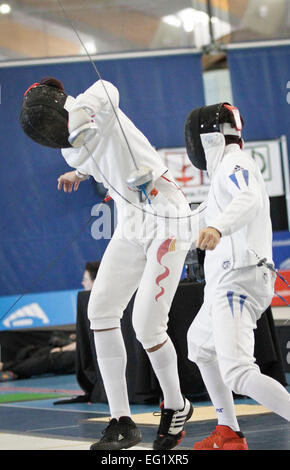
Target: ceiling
[(42, 28)]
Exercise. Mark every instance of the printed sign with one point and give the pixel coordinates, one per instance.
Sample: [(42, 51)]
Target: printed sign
[(268, 157), (282, 291), (281, 257), (39, 310), (195, 183)]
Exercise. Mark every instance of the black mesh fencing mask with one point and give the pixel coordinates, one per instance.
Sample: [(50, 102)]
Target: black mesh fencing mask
[(43, 116), (200, 121)]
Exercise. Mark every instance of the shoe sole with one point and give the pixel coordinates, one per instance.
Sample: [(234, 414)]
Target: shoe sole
[(117, 446), (224, 448)]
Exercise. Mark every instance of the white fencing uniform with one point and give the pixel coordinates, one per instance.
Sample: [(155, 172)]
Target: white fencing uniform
[(145, 252), (237, 292), (109, 148)]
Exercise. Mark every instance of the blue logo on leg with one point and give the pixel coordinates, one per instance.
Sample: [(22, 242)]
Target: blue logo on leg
[(230, 296), (242, 301)]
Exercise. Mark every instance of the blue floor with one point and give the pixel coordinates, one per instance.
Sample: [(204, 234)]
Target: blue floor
[(70, 421)]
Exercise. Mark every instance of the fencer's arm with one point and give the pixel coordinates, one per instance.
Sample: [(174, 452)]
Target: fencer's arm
[(199, 215), (244, 204), (198, 222), (89, 111), (206, 238), (100, 97)]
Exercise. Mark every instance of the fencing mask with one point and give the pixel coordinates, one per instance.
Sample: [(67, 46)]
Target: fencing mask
[(221, 117), (43, 116)]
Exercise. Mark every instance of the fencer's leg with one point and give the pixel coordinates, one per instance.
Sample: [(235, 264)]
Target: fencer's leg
[(176, 410), (117, 279), (236, 356), (150, 316), (112, 360), (121, 432), (164, 363), (266, 391), (220, 395), (201, 350)]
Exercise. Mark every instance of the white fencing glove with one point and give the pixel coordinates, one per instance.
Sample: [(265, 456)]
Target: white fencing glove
[(81, 127)]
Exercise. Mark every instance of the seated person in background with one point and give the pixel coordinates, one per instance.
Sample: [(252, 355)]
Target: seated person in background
[(91, 269), (56, 358)]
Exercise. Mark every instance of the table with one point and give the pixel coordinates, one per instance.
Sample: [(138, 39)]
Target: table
[(143, 386)]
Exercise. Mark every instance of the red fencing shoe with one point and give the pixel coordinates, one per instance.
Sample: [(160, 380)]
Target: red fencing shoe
[(223, 438)]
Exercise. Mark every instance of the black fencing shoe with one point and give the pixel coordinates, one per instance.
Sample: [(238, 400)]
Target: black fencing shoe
[(171, 429), (118, 435)]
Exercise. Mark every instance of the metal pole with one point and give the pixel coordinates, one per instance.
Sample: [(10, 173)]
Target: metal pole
[(209, 12)]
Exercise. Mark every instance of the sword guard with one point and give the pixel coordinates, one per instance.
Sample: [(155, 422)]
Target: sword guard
[(141, 180), (83, 134)]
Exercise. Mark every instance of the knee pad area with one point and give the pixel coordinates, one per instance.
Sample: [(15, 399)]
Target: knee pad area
[(150, 338), (200, 354), (235, 376), (102, 316)]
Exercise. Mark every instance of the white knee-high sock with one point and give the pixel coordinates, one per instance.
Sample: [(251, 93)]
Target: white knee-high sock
[(221, 396), (112, 361), (164, 363), (268, 392)]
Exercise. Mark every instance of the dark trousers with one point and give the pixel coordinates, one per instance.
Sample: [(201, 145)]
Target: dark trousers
[(43, 362)]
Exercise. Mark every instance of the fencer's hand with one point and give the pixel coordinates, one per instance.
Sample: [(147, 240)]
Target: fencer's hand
[(68, 181), (208, 238)]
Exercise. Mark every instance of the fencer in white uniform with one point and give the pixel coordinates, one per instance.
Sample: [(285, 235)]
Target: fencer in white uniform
[(146, 253), (236, 235)]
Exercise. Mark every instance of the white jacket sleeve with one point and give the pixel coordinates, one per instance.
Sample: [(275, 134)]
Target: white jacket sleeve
[(240, 183), (199, 214), (91, 111), (101, 97), (198, 221)]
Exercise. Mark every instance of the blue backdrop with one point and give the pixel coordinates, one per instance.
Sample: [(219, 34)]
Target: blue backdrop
[(37, 221), (260, 83)]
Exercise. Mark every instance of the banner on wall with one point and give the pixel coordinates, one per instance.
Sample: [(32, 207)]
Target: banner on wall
[(269, 155), (45, 309)]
